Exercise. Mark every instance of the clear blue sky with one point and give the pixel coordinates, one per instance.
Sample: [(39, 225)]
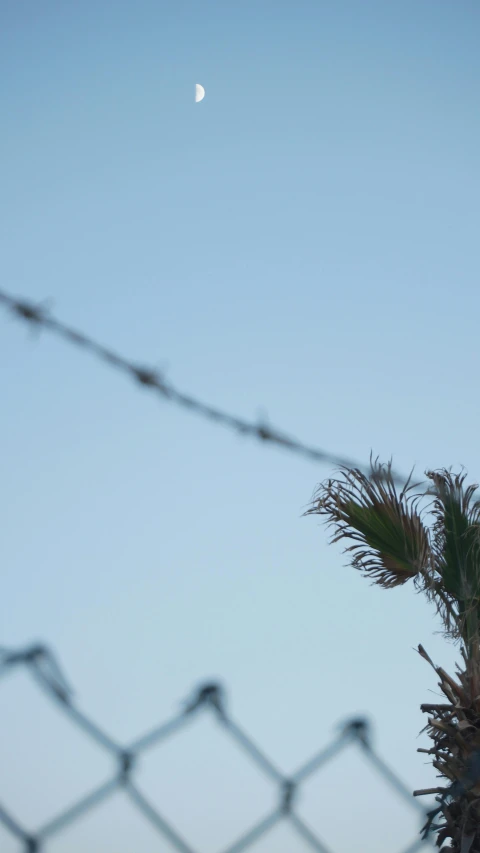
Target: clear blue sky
[(302, 245)]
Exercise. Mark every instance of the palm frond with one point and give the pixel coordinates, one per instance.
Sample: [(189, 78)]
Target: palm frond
[(456, 544), (391, 543)]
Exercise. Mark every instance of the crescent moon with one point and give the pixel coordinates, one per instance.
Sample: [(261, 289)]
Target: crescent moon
[(199, 93)]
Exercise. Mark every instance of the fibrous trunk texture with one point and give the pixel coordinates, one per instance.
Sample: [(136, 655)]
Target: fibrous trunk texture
[(454, 727)]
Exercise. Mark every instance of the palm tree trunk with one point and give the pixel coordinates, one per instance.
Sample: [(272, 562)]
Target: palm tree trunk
[(454, 728)]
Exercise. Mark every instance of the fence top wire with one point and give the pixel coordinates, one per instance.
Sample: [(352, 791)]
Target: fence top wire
[(38, 316), (41, 664)]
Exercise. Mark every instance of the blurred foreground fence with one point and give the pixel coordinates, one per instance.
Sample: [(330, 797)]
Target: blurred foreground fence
[(42, 665)]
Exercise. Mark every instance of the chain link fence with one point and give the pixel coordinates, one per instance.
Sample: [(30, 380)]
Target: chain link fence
[(42, 666)]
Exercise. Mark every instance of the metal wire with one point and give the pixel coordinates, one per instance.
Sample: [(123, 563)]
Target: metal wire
[(42, 665), (38, 316)]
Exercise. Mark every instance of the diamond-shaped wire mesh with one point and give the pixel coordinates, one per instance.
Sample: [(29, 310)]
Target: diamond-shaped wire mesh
[(41, 664)]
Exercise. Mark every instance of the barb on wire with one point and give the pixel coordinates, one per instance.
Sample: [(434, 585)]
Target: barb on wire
[(38, 317), (210, 697)]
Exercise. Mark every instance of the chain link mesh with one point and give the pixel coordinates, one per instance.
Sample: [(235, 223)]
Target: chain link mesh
[(42, 666)]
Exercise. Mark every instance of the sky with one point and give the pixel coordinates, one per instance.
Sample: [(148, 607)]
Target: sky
[(301, 247)]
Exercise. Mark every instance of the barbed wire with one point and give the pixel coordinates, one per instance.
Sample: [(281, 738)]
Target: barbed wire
[(38, 316), (42, 665)]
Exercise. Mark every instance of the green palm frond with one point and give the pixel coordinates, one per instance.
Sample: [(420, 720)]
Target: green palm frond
[(456, 534), (456, 543), (391, 543)]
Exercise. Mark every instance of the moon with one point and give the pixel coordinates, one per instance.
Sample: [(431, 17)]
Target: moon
[(199, 93)]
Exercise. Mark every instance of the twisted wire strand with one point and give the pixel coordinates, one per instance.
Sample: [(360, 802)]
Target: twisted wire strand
[(38, 316)]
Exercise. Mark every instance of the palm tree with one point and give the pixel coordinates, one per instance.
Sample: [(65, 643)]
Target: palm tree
[(397, 537)]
